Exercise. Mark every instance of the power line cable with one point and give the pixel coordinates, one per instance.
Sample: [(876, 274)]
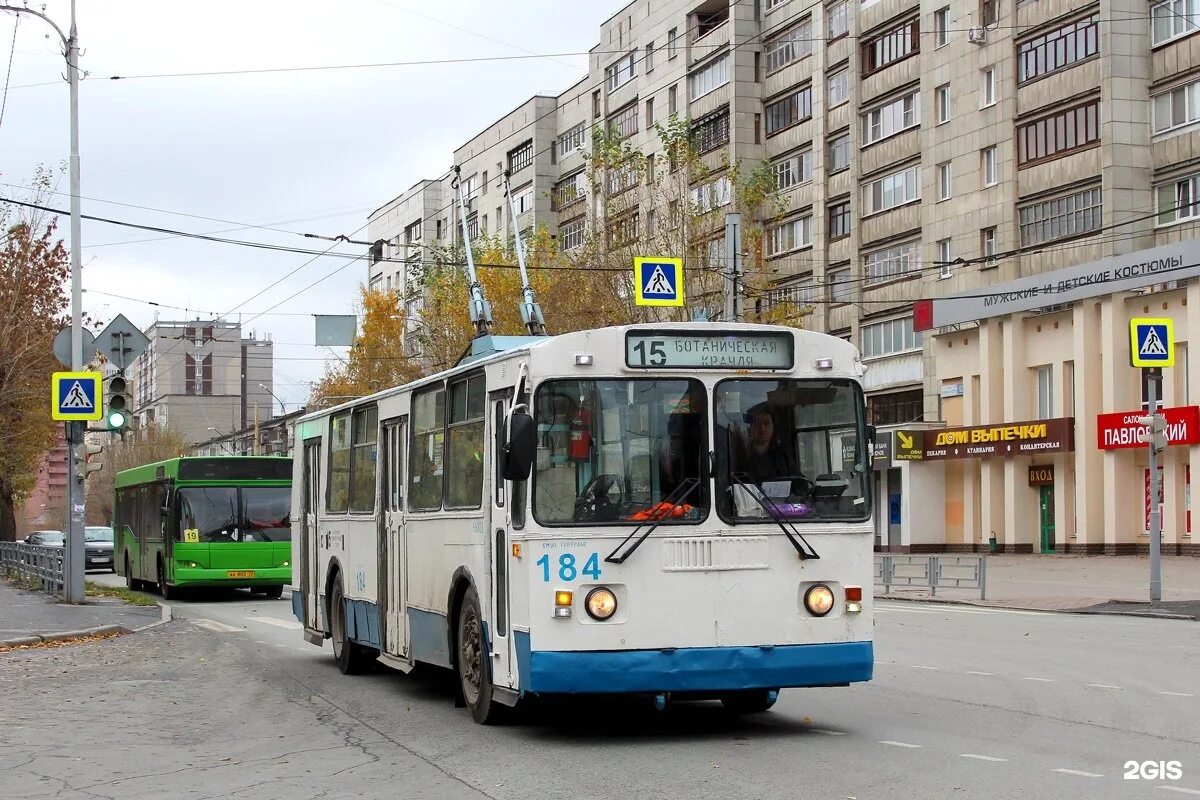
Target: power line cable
[(12, 52)]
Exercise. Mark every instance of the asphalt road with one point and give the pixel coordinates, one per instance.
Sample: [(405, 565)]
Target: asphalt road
[(966, 703)]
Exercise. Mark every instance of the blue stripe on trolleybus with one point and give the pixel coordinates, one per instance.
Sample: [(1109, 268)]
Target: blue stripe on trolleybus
[(428, 637), (362, 619), (691, 669)]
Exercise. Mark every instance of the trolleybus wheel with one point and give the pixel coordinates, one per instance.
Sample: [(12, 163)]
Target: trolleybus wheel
[(165, 589), (752, 701), (350, 656), (130, 583), (472, 663), (275, 591)]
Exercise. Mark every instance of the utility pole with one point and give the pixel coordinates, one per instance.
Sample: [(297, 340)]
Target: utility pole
[(1156, 437), (733, 269), (73, 553)]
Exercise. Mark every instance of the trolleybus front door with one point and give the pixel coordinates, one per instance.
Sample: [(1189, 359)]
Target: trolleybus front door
[(394, 555), (310, 561)]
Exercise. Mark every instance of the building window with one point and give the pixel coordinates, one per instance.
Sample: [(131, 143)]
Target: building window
[(837, 19), (891, 46), (413, 232), (839, 87), (774, 4), (941, 98), (648, 59), (788, 236), (893, 190), (711, 132), (1058, 48), (896, 408), (887, 120), (1174, 19), (672, 101), (624, 230), (572, 233), (710, 77), (625, 121), (1058, 134), (793, 170), (672, 43), (839, 220), (945, 256), (987, 164), (839, 153), (788, 111), (523, 199), (473, 226), (794, 296), (890, 337), (1177, 107), (711, 195), (838, 284), (596, 106), (519, 158), (620, 73), (1179, 201), (945, 181), (987, 245), (1063, 217), (572, 140), (941, 27), (987, 92), (893, 261), (622, 177), (570, 190), (792, 45), (1045, 392), (649, 112)]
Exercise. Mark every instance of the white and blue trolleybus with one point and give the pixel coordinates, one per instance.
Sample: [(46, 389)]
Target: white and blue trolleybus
[(681, 510)]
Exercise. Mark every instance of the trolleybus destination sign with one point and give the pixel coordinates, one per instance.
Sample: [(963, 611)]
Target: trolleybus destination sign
[(716, 350)]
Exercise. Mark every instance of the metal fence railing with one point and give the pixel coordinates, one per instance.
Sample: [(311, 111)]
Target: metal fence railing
[(932, 572), (33, 564)]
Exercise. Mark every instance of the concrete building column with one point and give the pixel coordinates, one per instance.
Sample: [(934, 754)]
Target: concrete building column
[(991, 410), (1063, 519), (973, 533), (1089, 461), (1122, 482), (1018, 536)]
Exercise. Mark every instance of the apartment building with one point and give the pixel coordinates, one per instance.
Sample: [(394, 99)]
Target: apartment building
[(922, 148), (202, 378)]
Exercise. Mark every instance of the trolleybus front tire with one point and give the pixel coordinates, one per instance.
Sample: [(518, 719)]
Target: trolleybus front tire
[(751, 701), (471, 664), (275, 591), (130, 583), (352, 658)]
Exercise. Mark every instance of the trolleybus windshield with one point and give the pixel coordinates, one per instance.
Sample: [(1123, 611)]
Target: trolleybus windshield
[(789, 449), (620, 452), (229, 514)]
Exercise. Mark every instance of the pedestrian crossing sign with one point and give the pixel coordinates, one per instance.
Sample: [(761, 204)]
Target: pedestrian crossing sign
[(1151, 342), (658, 281), (76, 396)]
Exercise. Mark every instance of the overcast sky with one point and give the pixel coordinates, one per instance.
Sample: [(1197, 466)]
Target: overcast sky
[(305, 151)]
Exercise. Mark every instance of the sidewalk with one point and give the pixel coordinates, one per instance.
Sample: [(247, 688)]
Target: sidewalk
[(1085, 584), (28, 617)]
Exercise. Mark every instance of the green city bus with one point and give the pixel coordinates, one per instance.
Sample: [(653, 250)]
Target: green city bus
[(222, 521)]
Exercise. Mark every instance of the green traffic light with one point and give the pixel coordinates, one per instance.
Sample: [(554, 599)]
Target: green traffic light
[(116, 420)]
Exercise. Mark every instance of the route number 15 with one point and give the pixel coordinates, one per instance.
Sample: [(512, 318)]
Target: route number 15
[(657, 353)]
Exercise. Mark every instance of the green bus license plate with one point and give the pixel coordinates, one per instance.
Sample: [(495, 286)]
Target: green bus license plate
[(240, 573)]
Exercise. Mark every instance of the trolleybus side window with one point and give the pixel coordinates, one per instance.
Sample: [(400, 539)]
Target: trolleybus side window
[(394, 491), (621, 452), (426, 455), (363, 457), (464, 451), (339, 464)]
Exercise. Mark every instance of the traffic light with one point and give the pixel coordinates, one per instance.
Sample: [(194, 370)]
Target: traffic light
[(1155, 431), (84, 464), (116, 416)]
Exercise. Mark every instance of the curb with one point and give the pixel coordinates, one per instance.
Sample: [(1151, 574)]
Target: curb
[(1081, 611), (40, 638)]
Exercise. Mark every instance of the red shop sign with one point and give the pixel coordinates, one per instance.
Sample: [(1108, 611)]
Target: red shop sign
[(1122, 430)]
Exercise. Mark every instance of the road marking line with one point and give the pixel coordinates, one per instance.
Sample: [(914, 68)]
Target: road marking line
[(1101, 686), (213, 625), (827, 732), (982, 758), (1079, 773), (918, 666), (278, 623), (976, 672), (1177, 694), (1042, 680), (891, 743), (1179, 789)]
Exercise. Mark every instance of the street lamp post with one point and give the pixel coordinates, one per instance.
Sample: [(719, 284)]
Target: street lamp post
[(74, 551), (282, 407)]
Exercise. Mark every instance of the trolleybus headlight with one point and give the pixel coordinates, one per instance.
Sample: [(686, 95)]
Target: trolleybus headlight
[(601, 603), (818, 599)]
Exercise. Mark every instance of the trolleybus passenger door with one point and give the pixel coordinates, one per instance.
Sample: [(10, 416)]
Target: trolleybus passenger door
[(392, 570), (310, 559), (502, 672)]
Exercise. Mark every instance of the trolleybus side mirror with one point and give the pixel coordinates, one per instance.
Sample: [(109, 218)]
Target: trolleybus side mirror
[(520, 448)]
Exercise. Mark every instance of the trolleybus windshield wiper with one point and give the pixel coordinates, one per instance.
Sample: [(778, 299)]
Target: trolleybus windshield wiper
[(794, 536), (684, 490)]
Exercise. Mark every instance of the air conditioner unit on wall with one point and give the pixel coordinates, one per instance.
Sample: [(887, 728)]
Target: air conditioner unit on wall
[(977, 35)]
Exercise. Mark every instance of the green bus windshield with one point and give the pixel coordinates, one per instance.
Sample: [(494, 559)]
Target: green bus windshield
[(231, 514)]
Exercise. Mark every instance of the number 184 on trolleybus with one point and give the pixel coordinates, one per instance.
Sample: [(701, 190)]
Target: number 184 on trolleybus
[(679, 510)]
